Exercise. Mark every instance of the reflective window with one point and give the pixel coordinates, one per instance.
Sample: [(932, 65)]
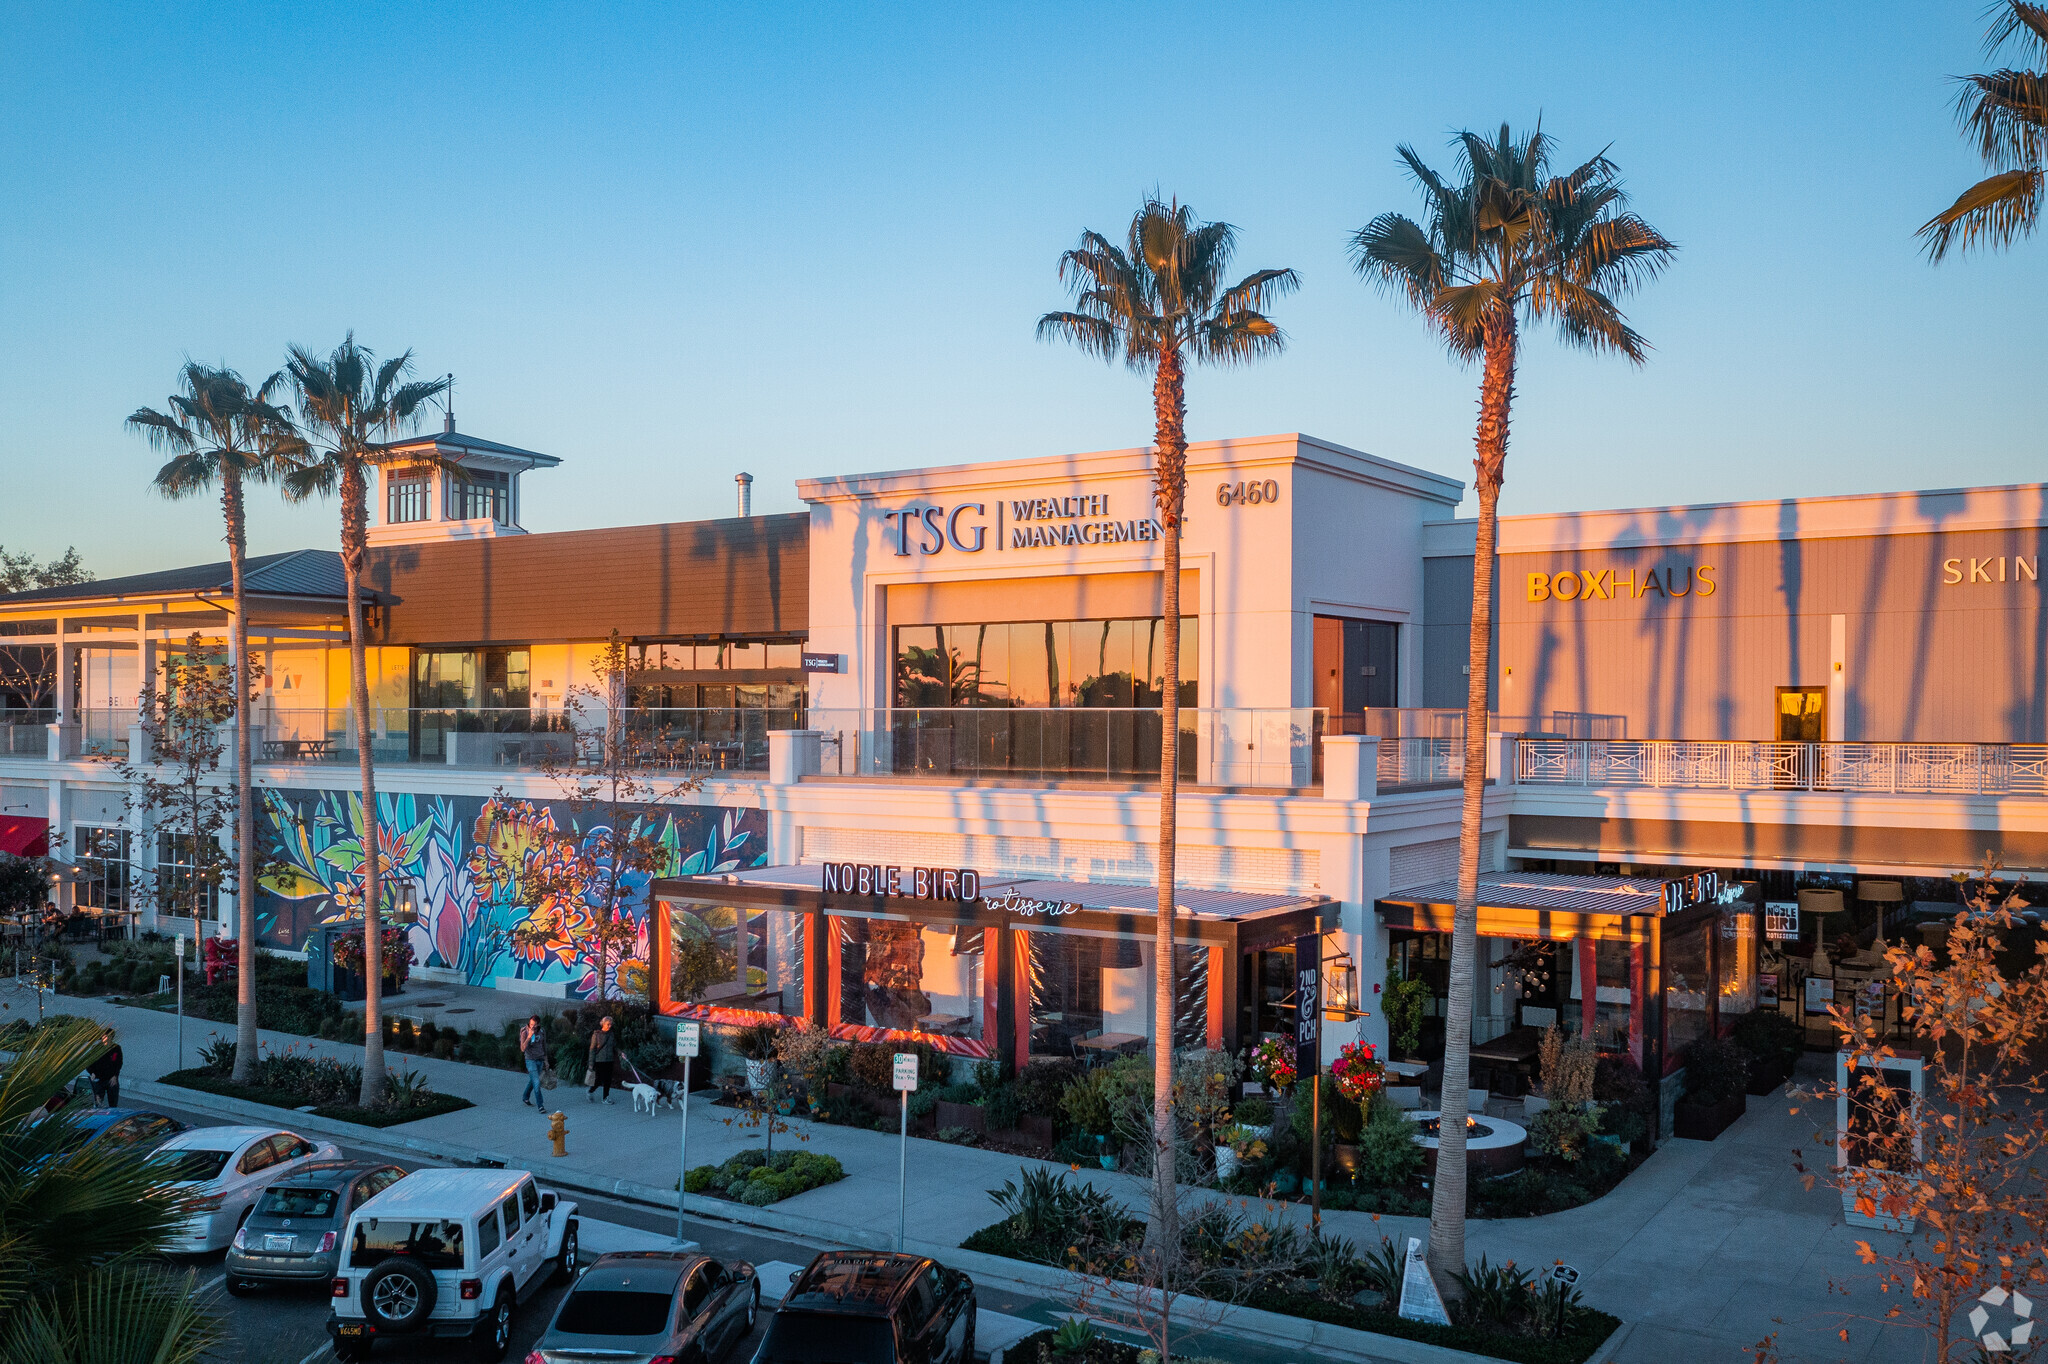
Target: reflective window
[(1061, 663), (911, 976), (436, 1245), (735, 957)]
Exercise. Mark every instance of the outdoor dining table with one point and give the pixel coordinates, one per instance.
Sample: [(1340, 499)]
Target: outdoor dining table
[(1109, 1041), (1408, 1070), (1513, 1054), (293, 749)]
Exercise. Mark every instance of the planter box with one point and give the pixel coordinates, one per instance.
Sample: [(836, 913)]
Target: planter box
[(1704, 1122), (970, 1116)]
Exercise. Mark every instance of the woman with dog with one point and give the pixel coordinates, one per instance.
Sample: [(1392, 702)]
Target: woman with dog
[(604, 1055)]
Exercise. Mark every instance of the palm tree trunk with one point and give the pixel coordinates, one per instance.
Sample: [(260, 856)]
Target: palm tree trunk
[(245, 822), (1170, 473), (1447, 1195), (354, 537)]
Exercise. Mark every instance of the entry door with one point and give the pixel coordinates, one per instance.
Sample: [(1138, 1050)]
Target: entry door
[(1802, 715), (1356, 665)]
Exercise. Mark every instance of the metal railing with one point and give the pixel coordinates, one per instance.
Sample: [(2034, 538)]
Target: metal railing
[(706, 739), (1740, 765)]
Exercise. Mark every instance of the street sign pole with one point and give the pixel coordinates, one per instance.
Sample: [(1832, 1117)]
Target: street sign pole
[(687, 1044), (1308, 1057), (906, 1081), (181, 1001)]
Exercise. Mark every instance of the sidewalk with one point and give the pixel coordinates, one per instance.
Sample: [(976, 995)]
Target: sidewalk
[(1703, 1251)]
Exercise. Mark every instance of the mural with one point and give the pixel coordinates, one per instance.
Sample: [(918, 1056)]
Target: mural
[(467, 857)]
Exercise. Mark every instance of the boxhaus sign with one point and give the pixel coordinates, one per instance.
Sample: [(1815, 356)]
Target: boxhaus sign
[(1065, 518), (1608, 584), (907, 883)]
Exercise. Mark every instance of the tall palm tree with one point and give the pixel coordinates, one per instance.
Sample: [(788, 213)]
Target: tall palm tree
[(349, 407), (218, 431), (2005, 112), (1159, 302), (1506, 243)]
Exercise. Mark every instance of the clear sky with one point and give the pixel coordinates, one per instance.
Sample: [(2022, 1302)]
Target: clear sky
[(668, 243)]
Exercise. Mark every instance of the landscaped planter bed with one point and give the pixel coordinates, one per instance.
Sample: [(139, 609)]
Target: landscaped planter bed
[(206, 1082), (758, 1179)]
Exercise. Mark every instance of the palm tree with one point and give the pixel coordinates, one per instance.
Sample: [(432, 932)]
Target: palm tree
[(217, 430), (1507, 243), (2005, 112), (349, 406), (1158, 303)]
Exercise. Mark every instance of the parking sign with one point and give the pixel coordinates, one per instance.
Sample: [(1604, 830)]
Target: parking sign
[(906, 1071), (687, 1041)]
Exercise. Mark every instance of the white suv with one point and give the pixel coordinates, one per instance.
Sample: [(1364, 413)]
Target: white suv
[(448, 1253)]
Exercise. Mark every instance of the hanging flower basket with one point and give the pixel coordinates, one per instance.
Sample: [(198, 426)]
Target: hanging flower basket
[(1359, 1072), (397, 963), (1274, 1063)]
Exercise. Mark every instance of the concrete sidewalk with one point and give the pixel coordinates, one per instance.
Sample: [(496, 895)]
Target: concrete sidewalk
[(1704, 1251)]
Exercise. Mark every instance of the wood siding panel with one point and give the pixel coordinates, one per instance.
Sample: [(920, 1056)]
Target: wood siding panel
[(743, 576)]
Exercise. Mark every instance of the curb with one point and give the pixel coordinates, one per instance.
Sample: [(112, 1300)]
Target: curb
[(1332, 1342)]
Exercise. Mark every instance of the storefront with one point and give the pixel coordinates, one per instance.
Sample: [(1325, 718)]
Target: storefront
[(979, 967), (1642, 965)]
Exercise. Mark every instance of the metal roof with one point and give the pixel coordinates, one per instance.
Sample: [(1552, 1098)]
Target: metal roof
[(1533, 890), (295, 573), (1125, 898), (453, 445)]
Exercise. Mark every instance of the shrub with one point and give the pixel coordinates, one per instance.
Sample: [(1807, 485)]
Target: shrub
[(1341, 1119), (1091, 1103), (407, 1038), (1388, 1154), (1773, 1040), (1627, 1102), (1715, 1071), (756, 1042), (444, 1048), (758, 1180), (699, 1179), (1256, 1112), (1564, 1132), (1041, 1083)]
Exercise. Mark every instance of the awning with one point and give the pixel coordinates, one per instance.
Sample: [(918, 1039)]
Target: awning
[(24, 836), (1544, 905)]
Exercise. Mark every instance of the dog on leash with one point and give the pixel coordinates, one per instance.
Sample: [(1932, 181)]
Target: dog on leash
[(645, 1096), (670, 1092)]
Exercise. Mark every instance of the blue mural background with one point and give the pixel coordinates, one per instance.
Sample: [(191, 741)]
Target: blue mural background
[(468, 855)]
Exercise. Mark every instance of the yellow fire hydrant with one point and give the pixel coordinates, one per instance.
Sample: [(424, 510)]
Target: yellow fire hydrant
[(558, 1132)]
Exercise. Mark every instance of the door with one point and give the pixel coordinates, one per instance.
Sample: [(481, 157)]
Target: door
[(1802, 715), (518, 1242), (700, 1310), (1357, 665)]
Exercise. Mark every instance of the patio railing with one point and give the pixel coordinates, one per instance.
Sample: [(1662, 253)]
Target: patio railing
[(733, 739), (26, 733), (1738, 765)]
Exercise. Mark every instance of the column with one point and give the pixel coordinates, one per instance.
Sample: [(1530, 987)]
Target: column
[(1589, 984)]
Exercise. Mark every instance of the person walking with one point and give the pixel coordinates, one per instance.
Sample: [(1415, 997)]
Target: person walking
[(604, 1055), (106, 1073), (533, 1048)]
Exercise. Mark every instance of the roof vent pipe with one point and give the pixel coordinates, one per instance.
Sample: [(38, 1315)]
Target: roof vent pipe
[(746, 482)]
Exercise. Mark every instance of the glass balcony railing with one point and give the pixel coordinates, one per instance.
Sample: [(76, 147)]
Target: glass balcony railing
[(26, 733), (709, 739)]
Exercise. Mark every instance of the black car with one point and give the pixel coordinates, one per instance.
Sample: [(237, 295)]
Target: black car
[(292, 1234), (133, 1129), (639, 1306), (865, 1307)]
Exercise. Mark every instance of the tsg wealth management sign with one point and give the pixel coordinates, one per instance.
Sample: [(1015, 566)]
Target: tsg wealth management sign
[(1049, 519)]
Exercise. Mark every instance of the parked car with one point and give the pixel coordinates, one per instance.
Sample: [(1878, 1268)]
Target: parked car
[(134, 1129), (865, 1307), (293, 1235), (448, 1254), (228, 1168), (636, 1307)]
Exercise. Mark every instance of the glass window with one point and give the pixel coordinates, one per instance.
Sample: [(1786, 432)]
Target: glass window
[(529, 1199), (1061, 663), (189, 1167), (287, 1202), (1735, 961), (695, 1291), (103, 860), (188, 876), (406, 499), (487, 1237), (261, 1156), (511, 1210), (613, 1312), (746, 654), (1688, 981), (737, 958), (784, 655), (436, 1245), (482, 494), (895, 974)]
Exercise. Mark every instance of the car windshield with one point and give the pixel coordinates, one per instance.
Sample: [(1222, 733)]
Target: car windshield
[(297, 1203), (614, 1312), (195, 1166), (436, 1245), (827, 1338)]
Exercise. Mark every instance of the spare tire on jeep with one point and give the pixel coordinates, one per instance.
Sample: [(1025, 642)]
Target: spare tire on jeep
[(398, 1295)]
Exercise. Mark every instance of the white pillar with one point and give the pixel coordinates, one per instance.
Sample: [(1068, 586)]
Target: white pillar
[(793, 754), (1351, 767)]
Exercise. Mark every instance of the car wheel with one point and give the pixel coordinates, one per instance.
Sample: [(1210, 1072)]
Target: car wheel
[(565, 1263), (967, 1341), (398, 1296), (494, 1334), (753, 1306)]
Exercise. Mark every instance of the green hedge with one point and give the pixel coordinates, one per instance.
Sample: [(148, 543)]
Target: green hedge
[(757, 1179)]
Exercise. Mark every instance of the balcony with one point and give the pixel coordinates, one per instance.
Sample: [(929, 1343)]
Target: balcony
[(703, 740), (26, 733), (1741, 765)]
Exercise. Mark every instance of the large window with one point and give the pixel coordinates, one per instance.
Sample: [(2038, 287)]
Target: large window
[(1096, 663), (735, 958), (406, 499), (188, 876), (909, 976), (483, 495), (1085, 989), (103, 860)]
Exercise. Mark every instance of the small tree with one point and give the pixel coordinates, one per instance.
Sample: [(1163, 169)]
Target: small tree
[(177, 790), (1964, 1161), (585, 886)]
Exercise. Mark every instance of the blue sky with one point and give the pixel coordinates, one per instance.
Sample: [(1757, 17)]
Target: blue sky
[(668, 243)]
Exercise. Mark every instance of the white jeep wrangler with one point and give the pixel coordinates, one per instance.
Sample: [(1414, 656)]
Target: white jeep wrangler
[(448, 1253)]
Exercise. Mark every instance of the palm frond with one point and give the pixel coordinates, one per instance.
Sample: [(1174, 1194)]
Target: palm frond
[(2024, 25), (1996, 211), (1586, 318), (134, 1314), (1093, 335)]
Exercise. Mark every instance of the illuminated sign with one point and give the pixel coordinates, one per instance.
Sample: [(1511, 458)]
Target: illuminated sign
[(1012, 903), (1609, 584), (907, 883), (1701, 888), (1781, 920)]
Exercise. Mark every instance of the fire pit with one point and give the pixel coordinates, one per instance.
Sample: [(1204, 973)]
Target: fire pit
[(1493, 1146)]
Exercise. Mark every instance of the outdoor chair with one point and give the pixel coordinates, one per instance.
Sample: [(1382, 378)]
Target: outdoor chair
[(1405, 1097), (1475, 1100)]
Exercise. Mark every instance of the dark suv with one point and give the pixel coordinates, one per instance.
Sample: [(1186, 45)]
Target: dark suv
[(861, 1307)]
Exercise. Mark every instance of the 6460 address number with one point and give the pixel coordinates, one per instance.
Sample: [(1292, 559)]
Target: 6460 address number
[(1250, 493)]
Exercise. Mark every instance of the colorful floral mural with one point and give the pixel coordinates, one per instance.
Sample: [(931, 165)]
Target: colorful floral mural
[(468, 858)]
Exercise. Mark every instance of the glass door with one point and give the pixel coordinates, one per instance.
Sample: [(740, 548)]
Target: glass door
[(1802, 715)]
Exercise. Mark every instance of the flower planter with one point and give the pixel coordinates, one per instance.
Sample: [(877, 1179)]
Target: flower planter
[(760, 1075), (973, 1117), (1704, 1122)]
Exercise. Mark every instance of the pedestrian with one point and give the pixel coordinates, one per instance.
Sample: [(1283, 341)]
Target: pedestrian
[(106, 1073), (604, 1054), (533, 1048)]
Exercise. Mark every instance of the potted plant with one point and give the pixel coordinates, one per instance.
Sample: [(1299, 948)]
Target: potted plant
[(1774, 1043), (1359, 1072), (1234, 1146), (1273, 1063), (1256, 1117), (1716, 1084), (755, 1044), (1404, 1004)]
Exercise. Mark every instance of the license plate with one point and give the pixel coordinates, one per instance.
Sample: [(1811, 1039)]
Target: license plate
[(349, 1328), (278, 1242)]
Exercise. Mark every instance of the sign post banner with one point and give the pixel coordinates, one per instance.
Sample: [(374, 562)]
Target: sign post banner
[(1308, 996), (1419, 1299), (689, 1041)]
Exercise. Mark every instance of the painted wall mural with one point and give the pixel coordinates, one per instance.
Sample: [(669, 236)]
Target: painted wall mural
[(467, 857)]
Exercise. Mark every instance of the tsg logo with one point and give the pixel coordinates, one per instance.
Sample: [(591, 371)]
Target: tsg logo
[(936, 528)]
